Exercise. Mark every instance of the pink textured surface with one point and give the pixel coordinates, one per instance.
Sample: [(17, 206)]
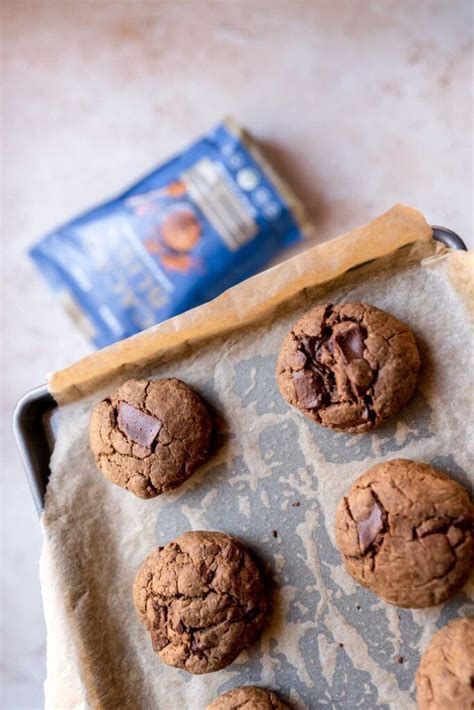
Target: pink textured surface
[(360, 105)]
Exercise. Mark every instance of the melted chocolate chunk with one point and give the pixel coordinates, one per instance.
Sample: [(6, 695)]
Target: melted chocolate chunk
[(351, 342), (360, 374), (138, 426), (369, 528), (329, 345), (311, 344), (309, 388)]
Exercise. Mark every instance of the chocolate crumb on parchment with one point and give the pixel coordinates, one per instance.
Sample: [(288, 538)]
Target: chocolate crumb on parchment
[(348, 367)]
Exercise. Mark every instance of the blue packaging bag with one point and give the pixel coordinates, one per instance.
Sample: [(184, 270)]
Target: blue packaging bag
[(211, 216)]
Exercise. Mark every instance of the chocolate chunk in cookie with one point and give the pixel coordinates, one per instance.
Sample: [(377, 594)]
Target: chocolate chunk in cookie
[(137, 426), (369, 528), (348, 367), (445, 677), (406, 531), (150, 435), (201, 598), (249, 697)]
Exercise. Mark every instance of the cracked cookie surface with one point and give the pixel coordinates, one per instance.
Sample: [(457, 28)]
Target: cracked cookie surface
[(150, 435), (348, 367), (202, 600), (405, 531), (248, 697), (445, 676)]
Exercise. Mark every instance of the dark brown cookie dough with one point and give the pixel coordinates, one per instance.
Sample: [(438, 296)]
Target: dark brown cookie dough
[(406, 532), (150, 435), (348, 367), (445, 677), (201, 598), (248, 697)]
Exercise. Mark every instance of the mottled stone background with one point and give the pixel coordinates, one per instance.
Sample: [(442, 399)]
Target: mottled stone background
[(360, 104)]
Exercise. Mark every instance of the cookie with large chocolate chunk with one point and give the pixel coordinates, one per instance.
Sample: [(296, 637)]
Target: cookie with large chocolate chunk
[(248, 697), (150, 435), (405, 531), (202, 600), (445, 676), (348, 367)]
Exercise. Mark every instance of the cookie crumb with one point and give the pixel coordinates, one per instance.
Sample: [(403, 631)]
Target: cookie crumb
[(296, 504), (399, 659), (275, 533)]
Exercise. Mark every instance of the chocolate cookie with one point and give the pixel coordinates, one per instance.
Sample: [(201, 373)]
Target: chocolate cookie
[(150, 435), (348, 367), (445, 677), (247, 697), (201, 598), (406, 532)]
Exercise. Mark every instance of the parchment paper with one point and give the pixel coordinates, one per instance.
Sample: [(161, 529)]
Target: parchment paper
[(328, 643)]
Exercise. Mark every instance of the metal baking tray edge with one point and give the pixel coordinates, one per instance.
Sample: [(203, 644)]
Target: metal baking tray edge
[(33, 418)]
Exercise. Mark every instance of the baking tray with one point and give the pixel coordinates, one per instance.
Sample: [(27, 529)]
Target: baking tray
[(34, 418)]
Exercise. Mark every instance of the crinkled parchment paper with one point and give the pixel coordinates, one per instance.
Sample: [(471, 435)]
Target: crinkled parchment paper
[(328, 643)]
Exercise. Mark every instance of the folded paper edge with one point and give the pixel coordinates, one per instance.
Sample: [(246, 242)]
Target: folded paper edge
[(227, 312), (461, 276)]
